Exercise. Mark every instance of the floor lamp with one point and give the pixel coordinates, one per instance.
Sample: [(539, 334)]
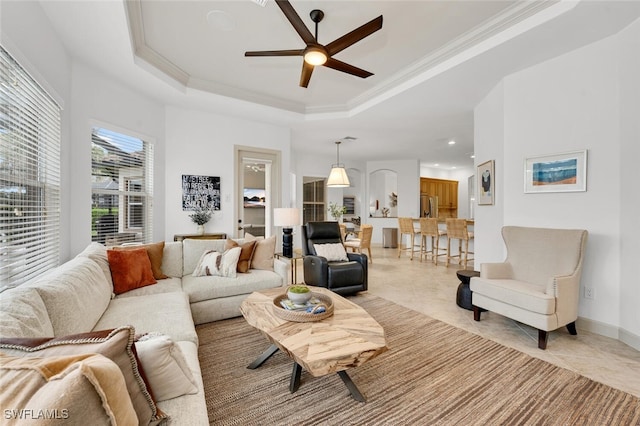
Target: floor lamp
[(287, 218)]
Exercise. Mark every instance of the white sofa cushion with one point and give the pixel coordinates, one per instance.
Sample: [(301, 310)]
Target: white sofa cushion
[(165, 367), (214, 263), (193, 249), (98, 253), (142, 313), (172, 259), (168, 285), (204, 288), (190, 410), (23, 314), (528, 296), (76, 294)]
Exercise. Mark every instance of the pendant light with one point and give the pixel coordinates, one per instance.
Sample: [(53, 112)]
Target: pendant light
[(338, 177)]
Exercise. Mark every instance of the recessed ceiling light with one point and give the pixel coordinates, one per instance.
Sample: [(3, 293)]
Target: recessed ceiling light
[(473, 156), (452, 142), (221, 20), (436, 165), (453, 168)]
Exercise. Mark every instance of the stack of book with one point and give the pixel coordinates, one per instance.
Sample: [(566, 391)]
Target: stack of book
[(290, 306)]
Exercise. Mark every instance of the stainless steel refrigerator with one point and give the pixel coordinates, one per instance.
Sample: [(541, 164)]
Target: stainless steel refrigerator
[(428, 205)]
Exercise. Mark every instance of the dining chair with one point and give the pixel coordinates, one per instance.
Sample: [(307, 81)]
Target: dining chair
[(343, 231), (406, 228), (457, 230), (429, 230), (362, 242)]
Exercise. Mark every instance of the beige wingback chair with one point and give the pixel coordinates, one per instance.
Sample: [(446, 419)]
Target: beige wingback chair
[(539, 282)]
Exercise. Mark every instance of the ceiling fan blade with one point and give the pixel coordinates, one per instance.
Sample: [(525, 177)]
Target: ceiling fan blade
[(349, 69), (305, 76), (291, 52), (354, 36), (295, 20)]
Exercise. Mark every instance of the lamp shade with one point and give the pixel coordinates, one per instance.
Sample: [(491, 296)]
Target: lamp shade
[(338, 178), (286, 217)]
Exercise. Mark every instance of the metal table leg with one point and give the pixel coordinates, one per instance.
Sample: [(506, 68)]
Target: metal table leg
[(355, 392), (295, 377), (262, 358)]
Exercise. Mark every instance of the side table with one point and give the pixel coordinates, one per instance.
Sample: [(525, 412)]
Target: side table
[(463, 296), (294, 265)]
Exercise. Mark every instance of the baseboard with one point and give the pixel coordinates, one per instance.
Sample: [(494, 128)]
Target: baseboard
[(608, 330), (630, 339)]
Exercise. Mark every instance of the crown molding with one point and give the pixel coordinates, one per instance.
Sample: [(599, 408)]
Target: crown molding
[(515, 20)]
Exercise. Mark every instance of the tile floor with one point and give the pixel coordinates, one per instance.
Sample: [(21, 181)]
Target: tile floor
[(431, 289)]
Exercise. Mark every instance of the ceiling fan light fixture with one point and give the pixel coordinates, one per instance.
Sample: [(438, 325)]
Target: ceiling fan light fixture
[(338, 176), (315, 56)]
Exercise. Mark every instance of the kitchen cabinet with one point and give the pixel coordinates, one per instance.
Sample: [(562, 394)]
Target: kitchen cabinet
[(447, 193)]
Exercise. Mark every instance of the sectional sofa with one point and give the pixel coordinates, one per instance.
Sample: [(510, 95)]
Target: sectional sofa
[(78, 297)]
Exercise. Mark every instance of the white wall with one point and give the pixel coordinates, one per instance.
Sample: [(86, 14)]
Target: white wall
[(202, 143), (99, 100), (25, 32), (629, 70), (569, 103), (489, 145), (408, 194)]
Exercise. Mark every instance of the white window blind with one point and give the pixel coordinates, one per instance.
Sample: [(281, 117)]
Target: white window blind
[(122, 188), (29, 176)]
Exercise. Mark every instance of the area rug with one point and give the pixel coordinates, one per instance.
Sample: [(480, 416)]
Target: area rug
[(432, 374)]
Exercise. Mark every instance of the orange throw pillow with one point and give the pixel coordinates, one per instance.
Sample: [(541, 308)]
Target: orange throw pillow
[(130, 269), (155, 252), (246, 253)]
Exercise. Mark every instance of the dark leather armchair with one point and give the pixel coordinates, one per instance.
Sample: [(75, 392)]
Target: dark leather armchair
[(342, 277)]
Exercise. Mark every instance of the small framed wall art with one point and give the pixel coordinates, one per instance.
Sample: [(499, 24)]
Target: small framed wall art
[(486, 183), (565, 172)]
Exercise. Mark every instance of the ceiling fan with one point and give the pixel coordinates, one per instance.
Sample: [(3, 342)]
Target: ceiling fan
[(316, 54)]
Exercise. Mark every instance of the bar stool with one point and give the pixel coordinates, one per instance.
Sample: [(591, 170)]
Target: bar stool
[(406, 228), (429, 229), (457, 230)]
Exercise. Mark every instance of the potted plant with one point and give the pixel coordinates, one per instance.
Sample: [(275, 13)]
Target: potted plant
[(336, 210), (299, 294), (200, 217)]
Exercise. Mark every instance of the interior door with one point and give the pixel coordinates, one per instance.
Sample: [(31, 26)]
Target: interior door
[(258, 190)]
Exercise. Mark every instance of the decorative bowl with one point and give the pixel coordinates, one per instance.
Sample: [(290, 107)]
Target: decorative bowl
[(299, 294)]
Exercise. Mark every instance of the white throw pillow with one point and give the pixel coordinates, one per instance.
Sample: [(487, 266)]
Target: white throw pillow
[(165, 367), (332, 251), (219, 264)]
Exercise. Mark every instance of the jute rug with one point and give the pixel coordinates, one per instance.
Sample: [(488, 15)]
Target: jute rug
[(433, 374)]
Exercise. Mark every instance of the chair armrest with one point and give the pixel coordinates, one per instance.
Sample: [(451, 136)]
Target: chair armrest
[(362, 259), (566, 290), (316, 271), (282, 268), (498, 271)]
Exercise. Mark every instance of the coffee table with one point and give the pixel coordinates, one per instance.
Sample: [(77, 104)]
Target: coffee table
[(348, 338)]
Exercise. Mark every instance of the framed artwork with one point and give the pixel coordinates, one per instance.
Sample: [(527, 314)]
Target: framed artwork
[(486, 183), (565, 172), (200, 192)]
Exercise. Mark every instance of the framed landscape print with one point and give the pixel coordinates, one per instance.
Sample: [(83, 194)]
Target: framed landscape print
[(565, 172), (486, 183)]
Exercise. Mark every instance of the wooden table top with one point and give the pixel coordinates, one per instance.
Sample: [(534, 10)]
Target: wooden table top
[(346, 339)]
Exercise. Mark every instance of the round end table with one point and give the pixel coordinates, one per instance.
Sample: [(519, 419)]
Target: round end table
[(463, 296)]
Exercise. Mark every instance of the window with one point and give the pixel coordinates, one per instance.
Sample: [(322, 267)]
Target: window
[(313, 205), (29, 176), (122, 188)]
